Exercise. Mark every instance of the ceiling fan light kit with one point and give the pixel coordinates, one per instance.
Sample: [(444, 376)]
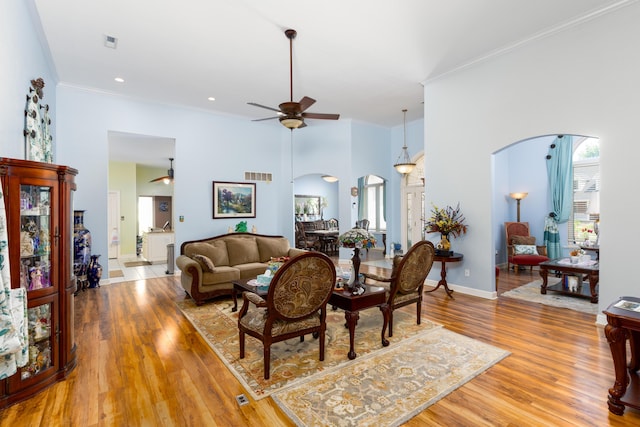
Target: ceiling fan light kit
[(168, 179), (403, 164), (292, 114)]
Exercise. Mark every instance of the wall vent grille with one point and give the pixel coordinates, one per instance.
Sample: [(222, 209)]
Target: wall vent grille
[(258, 176)]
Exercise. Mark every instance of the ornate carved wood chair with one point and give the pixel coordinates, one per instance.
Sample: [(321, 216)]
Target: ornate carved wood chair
[(296, 304), (517, 234), (405, 285), (304, 241)]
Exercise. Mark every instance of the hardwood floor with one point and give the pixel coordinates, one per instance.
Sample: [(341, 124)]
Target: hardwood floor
[(141, 363)]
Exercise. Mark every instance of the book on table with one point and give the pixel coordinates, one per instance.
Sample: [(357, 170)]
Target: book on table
[(628, 305)]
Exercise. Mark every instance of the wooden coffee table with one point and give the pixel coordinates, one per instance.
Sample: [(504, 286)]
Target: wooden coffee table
[(242, 285), (373, 296), (592, 271)]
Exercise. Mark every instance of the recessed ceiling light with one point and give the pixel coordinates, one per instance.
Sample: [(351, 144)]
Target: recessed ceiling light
[(211, 98), (119, 79)]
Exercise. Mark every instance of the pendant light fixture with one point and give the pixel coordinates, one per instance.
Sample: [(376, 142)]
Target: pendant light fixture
[(168, 179), (404, 165)]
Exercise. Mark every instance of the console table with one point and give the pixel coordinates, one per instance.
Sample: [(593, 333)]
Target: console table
[(623, 325), (456, 257)]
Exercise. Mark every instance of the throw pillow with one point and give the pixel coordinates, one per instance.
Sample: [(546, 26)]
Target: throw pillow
[(205, 262), (526, 250), (523, 240)]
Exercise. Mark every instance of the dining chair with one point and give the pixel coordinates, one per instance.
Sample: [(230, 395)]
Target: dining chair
[(404, 286), (296, 305)]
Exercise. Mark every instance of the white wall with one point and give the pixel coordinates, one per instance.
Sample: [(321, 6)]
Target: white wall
[(22, 59), (581, 81), (208, 148)]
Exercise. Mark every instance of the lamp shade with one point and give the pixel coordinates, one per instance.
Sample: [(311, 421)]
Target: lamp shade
[(518, 196), (291, 122), (404, 165), (357, 238)]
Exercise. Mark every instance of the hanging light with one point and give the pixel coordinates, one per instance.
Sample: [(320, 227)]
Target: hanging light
[(404, 165), (291, 122), (168, 179)]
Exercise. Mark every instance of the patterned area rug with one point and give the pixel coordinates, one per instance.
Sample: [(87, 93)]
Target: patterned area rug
[(292, 361), (531, 292), (390, 386)]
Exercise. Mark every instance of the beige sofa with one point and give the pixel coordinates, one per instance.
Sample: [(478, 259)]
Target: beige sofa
[(209, 265)]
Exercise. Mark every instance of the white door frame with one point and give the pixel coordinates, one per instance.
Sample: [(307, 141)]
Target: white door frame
[(113, 219)]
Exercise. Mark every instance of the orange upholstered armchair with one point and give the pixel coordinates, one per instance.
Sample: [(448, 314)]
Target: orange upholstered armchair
[(521, 246)]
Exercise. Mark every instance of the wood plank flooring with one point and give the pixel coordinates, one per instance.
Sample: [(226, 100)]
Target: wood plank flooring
[(141, 363)]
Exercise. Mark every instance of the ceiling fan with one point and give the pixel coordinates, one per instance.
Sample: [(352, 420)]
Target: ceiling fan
[(292, 114), (169, 177)]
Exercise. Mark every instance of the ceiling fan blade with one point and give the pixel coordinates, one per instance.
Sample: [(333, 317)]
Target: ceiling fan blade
[(267, 118), (321, 116), (162, 178), (264, 106), (306, 102)]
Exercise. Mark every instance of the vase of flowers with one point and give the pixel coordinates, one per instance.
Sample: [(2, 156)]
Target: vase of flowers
[(446, 221)]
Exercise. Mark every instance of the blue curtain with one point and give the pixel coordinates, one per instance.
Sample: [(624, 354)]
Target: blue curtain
[(361, 198), (560, 174), (552, 238), (384, 200)]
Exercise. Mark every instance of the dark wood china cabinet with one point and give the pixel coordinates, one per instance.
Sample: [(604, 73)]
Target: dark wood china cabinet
[(39, 207)]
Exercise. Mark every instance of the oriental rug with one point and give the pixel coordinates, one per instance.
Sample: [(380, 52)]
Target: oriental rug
[(390, 386), (531, 292), (293, 361)]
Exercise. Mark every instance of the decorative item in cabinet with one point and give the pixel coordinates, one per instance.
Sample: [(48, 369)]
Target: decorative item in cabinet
[(35, 231), (39, 326)]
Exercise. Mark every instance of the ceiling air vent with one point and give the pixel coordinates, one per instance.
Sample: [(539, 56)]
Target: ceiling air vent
[(110, 41)]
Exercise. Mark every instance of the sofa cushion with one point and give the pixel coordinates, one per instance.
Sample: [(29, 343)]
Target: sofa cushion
[(251, 270), (221, 275), (525, 250), (215, 250), (242, 250), (527, 259), (205, 262), (272, 247), (523, 240)]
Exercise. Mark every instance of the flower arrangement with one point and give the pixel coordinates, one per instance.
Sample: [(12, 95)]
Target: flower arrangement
[(446, 221), (576, 252), (587, 232), (357, 238)]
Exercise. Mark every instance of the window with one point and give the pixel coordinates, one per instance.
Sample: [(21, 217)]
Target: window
[(373, 200), (585, 215)]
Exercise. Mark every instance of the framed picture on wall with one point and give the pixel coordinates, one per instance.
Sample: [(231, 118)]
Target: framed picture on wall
[(234, 200)]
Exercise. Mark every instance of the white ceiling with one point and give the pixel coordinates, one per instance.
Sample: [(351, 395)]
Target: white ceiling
[(363, 59)]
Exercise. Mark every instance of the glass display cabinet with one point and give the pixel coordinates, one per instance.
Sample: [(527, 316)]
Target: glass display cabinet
[(38, 202)]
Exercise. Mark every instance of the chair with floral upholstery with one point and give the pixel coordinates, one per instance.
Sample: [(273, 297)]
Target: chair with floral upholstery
[(296, 304), (405, 285), (521, 247)]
